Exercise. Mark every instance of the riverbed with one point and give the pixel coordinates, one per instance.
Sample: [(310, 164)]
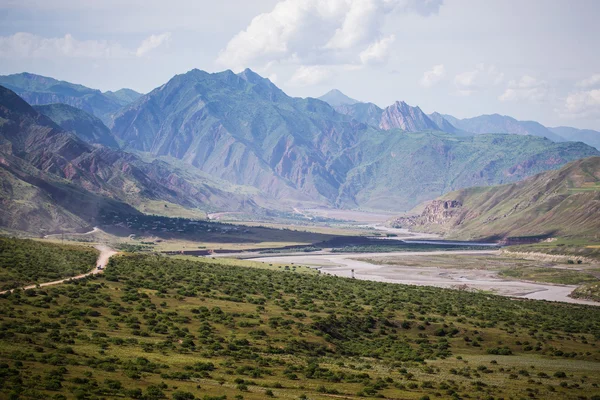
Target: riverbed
[(349, 265)]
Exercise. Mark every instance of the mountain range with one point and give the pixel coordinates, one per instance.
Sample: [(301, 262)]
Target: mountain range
[(226, 141), (413, 119), (39, 90), (564, 202), (51, 179), (242, 128)]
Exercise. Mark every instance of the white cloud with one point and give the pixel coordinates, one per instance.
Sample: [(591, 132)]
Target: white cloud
[(592, 81), (377, 52), (433, 76), (318, 32), (152, 42), (25, 45), (307, 75), (583, 104), (527, 88), (480, 78), (28, 45)]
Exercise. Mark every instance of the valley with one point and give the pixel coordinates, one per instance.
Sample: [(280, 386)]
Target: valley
[(216, 238)]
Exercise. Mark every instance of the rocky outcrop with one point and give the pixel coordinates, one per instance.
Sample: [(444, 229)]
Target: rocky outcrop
[(411, 119), (436, 212)]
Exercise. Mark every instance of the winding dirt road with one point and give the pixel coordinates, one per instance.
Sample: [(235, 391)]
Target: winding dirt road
[(105, 253)]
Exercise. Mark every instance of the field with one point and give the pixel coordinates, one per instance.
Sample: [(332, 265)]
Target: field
[(154, 327)]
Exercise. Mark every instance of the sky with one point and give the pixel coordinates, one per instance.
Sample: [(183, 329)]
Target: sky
[(530, 59)]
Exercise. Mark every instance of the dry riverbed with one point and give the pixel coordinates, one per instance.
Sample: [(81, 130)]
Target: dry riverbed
[(485, 270)]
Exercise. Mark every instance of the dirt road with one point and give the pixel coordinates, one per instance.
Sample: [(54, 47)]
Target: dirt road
[(343, 264), (105, 253)]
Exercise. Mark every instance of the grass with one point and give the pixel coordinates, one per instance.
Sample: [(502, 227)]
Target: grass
[(26, 262), (234, 262), (151, 327), (589, 291), (550, 275), (570, 247)]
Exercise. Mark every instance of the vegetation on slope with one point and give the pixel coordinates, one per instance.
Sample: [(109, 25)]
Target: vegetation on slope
[(243, 129), (590, 291), (24, 262), (47, 167), (86, 126), (565, 202), (155, 328)]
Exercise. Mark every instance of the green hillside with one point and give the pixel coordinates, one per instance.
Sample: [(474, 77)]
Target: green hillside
[(565, 202), (159, 328)]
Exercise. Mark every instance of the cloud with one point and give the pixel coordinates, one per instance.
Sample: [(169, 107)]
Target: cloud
[(433, 76), (308, 75), (319, 32), (592, 81), (152, 42), (478, 79), (377, 52), (582, 104), (26, 45), (527, 88)]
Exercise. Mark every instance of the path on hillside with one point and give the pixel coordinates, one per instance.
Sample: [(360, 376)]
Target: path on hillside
[(105, 253), (94, 230)]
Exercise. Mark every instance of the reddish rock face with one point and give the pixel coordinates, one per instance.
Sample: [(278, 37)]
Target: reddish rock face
[(435, 212), (410, 119)]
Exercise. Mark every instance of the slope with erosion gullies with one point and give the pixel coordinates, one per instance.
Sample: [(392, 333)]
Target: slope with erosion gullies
[(39, 90), (244, 129), (42, 203), (32, 146), (397, 116), (564, 202), (86, 126), (401, 171)]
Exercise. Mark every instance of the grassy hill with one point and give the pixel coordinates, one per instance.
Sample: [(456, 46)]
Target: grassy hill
[(565, 202), (159, 328), (25, 262)]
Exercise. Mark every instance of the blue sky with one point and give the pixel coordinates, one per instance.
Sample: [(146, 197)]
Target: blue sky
[(532, 59)]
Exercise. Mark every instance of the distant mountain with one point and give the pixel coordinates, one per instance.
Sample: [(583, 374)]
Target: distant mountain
[(124, 96), (84, 125), (397, 116), (39, 90), (410, 119), (400, 170), (367, 113), (336, 98), (52, 179), (586, 136), (565, 202), (243, 129), (496, 123), (443, 124)]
